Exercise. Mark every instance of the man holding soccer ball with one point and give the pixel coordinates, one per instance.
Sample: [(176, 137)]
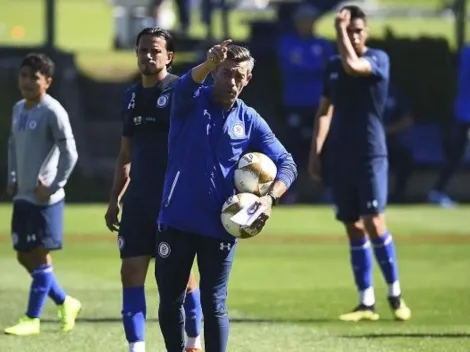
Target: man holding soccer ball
[(211, 128)]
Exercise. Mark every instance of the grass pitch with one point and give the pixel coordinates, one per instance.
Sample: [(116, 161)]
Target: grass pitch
[(288, 286)]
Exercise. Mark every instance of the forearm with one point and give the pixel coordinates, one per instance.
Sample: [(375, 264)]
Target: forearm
[(67, 161), (286, 175), (320, 132), (121, 177), (348, 56), (200, 72), (11, 177), (279, 188)]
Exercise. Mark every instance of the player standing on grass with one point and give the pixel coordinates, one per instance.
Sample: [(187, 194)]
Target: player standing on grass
[(210, 130), (41, 157), (146, 120), (356, 166)]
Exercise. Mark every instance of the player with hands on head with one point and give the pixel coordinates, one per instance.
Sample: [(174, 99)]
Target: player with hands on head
[(355, 163)]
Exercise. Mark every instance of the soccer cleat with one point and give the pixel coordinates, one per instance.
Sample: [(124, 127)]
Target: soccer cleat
[(361, 312), (25, 327), (399, 308), (68, 313)]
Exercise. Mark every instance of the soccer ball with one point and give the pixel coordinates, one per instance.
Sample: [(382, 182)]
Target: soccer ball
[(255, 173), (232, 206)]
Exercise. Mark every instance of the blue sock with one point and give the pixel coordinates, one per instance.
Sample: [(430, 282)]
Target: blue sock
[(42, 281), (134, 313), (361, 261), (56, 292), (384, 250), (193, 312)]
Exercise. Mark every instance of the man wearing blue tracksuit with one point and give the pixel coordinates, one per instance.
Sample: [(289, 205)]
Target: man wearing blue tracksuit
[(210, 130)]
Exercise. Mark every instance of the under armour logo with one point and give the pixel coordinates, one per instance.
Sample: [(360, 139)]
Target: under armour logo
[(31, 238), (227, 246)]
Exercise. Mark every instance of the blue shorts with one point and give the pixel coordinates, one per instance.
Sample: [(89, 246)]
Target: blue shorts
[(137, 231), (34, 226), (359, 189)]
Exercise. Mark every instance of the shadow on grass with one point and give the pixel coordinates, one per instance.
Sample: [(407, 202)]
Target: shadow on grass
[(410, 335), (104, 320)]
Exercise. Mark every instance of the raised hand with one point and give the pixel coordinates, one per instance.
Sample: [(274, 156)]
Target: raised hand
[(218, 53)]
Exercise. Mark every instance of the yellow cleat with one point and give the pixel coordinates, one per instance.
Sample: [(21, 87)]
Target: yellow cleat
[(26, 326), (400, 310), (68, 313), (360, 313)]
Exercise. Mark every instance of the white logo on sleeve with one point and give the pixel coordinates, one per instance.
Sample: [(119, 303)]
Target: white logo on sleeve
[(131, 104), (164, 250), (227, 246)]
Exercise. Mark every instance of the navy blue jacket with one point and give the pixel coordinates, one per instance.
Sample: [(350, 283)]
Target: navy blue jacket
[(205, 144)]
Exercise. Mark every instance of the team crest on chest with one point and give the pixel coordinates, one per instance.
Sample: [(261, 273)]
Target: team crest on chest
[(32, 124), (238, 130), (162, 101)]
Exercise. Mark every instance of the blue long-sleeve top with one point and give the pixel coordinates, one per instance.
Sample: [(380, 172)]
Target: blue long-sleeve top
[(205, 144)]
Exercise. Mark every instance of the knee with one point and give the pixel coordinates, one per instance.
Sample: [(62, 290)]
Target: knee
[(134, 272), (375, 225), (39, 256), (355, 230), (214, 305)]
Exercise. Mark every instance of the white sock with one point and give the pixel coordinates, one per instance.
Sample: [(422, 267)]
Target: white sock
[(194, 342), (138, 346), (394, 289), (367, 296)]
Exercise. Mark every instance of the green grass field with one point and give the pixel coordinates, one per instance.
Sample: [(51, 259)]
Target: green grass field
[(287, 287)]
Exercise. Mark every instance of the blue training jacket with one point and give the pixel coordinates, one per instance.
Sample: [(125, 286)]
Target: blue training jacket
[(204, 145), (462, 99)]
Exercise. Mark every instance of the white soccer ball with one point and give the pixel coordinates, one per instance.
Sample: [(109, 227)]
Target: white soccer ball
[(231, 207), (255, 173)]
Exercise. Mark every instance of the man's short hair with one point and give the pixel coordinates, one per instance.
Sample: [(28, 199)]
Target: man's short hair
[(39, 62), (356, 12), (158, 32), (239, 54)]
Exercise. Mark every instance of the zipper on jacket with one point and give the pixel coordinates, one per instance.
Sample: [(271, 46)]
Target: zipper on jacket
[(172, 189)]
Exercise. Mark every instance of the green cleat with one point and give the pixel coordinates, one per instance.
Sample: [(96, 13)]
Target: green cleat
[(26, 326), (400, 310), (360, 313), (68, 313)]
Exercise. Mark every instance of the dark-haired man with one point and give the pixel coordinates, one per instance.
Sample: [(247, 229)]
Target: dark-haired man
[(41, 157), (356, 166), (211, 128), (139, 173)]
